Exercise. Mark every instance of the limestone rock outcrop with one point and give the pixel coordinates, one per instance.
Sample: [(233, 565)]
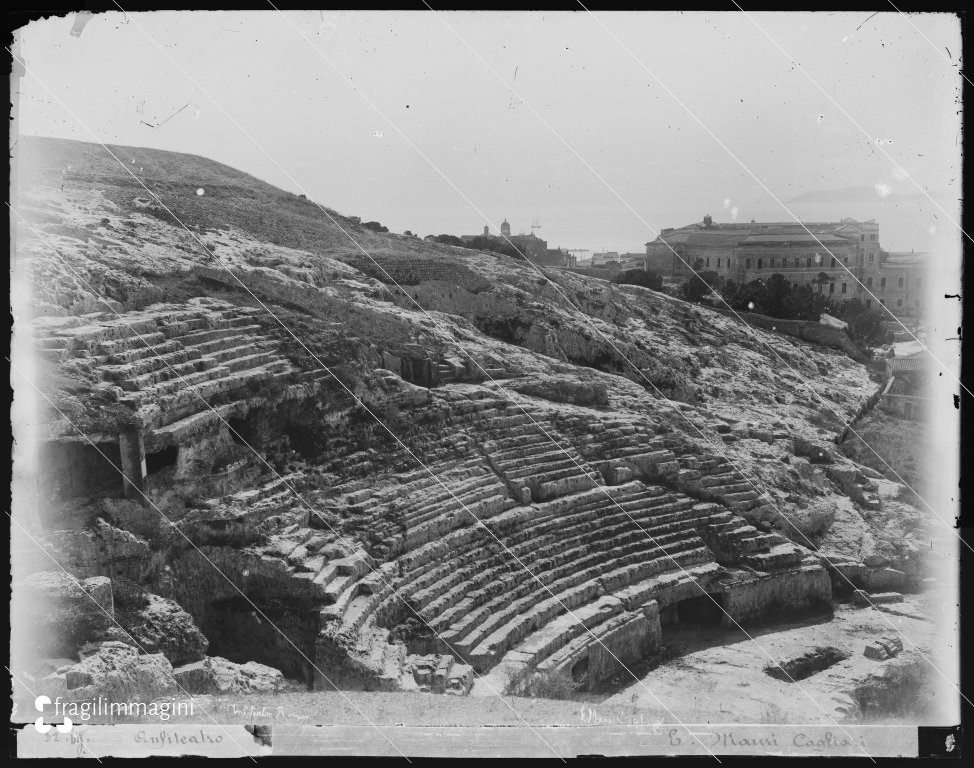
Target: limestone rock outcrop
[(161, 626), (118, 672), (215, 674)]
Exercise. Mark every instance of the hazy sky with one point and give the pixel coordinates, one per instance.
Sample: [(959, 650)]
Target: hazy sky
[(282, 78)]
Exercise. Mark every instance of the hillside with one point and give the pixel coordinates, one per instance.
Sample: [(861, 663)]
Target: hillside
[(395, 465)]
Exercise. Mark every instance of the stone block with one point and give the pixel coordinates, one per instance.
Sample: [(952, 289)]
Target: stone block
[(882, 579), (460, 680), (100, 590)]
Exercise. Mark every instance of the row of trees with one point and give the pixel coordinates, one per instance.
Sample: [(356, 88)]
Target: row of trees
[(777, 297)]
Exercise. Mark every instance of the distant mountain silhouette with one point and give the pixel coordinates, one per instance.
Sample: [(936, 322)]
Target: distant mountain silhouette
[(856, 195)]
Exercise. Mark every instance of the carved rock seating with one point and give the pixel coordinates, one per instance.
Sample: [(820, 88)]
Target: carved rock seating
[(482, 601), (532, 457), (163, 359)]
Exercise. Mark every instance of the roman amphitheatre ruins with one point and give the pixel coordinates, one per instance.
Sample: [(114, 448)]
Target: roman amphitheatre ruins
[(267, 459)]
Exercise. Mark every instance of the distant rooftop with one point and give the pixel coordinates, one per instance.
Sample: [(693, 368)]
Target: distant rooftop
[(713, 232)]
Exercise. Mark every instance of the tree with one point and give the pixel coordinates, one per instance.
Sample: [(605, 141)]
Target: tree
[(750, 297), (821, 279), (865, 325), (375, 226), (700, 285), (449, 240), (729, 291)]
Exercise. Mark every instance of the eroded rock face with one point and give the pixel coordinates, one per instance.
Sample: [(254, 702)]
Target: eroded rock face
[(815, 452), (163, 627), (64, 612), (119, 672)]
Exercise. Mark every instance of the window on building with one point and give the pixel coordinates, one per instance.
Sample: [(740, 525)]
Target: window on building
[(872, 257), (862, 238), (869, 282), (882, 282), (883, 302), (708, 261), (843, 287), (718, 262), (798, 262), (873, 238), (869, 303), (833, 261), (845, 260), (747, 263), (831, 287), (808, 262), (760, 263), (899, 302), (900, 282)]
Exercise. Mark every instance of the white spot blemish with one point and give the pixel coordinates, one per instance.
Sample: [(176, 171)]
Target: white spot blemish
[(883, 190), (727, 202), (327, 29), (200, 192), (734, 211), (818, 258), (750, 305), (378, 134), (933, 229)]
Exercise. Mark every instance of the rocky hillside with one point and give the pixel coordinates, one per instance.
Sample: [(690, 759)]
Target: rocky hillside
[(369, 461)]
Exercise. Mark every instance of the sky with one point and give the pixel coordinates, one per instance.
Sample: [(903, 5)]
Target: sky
[(601, 129)]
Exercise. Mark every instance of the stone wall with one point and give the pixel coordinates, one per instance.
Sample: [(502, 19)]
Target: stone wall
[(603, 274), (787, 591), (806, 330), (638, 635)]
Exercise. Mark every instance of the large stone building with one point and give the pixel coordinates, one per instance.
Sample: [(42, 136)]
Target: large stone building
[(898, 281), (847, 252)]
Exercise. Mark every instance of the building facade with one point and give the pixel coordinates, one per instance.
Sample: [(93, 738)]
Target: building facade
[(898, 282), (842, 259)]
